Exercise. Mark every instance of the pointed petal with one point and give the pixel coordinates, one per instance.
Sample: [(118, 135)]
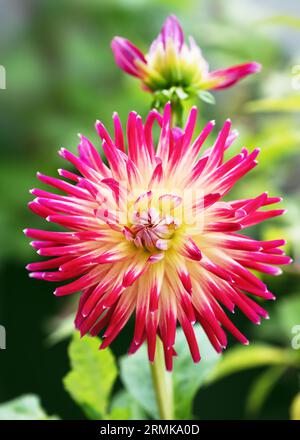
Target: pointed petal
[(126, 54), (172, 30), (220, 79)]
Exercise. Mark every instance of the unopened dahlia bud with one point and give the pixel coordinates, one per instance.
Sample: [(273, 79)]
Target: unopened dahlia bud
[(174, 66)]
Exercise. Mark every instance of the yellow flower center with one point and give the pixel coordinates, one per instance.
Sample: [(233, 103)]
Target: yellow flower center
[(151, 227)]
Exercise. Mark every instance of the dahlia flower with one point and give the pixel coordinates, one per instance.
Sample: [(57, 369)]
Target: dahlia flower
[(172, 64), (148, 234)]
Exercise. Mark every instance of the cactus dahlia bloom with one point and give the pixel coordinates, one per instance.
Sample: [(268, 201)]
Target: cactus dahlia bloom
[(171, 63), (149, 235)]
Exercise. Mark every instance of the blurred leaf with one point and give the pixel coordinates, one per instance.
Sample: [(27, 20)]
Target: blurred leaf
[(33, 80), (63, 330), (273, 232), (136, 377), (27, 407), (262, 388), (287, 104), (92, 376), (230, 44), (124, 401), (178, 4), (277, 141), (206, 97), (256, 355), (187, 376), (18, 179), (118, 414), (284, 20), (295, 408), (288, 314), (285, 316)]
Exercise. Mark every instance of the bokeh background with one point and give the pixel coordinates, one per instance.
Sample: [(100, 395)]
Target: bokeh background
[(61, 77)]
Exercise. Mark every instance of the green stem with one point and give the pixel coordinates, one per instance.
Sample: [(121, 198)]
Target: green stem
[(177, 108), (163, 384)]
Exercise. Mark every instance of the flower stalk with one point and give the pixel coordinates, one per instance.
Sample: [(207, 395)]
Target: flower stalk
[(162, 384)]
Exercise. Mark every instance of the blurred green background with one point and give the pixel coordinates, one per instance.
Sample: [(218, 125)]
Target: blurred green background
[(61, 77)]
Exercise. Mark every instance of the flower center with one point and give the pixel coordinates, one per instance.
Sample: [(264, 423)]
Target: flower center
[(151, 230)]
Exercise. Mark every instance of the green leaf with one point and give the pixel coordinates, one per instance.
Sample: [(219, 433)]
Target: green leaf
[(27, 407), (255, 355), (182, 95), (63, 330), (136, 377), (262, 388), (206, 97), (92, 376), (287, 104), (295, 408), (123, 401), (286, 314), (187, 376), (118, 414)]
